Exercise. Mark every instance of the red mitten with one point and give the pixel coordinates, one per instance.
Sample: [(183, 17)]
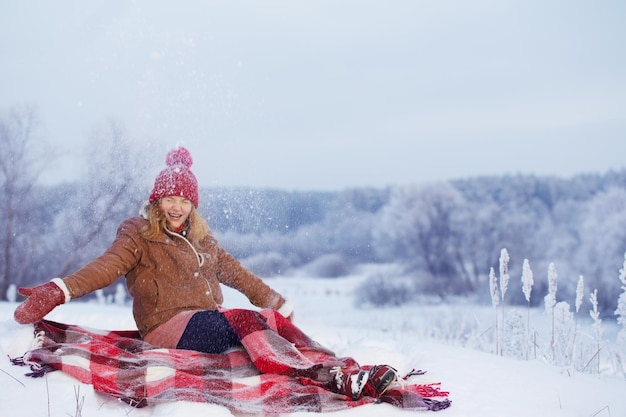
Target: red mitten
[(41, 300)]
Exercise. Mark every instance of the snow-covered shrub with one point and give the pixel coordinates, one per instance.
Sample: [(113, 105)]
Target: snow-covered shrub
[(102, 299), (495, 301), (119, 297), (12, 293), (504, 284), (493, 289), (331, 265), (580, 291), (563, 334), (550, 302), (267, 264), (527, 287), (597, 326), (383, 291), (514, 344), (567, 347)]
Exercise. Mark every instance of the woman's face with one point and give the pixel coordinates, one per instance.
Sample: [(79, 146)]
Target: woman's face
[(176, 210)]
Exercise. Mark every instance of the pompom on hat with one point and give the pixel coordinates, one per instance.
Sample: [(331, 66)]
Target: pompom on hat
[(176, 179)]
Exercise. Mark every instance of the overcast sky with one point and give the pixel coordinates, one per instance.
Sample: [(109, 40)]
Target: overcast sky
[(323, 95)]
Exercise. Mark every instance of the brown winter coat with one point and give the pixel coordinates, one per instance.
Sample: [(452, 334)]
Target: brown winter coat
[(166, 275)]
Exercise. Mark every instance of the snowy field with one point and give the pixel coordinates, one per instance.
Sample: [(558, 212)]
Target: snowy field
[(429, 337)]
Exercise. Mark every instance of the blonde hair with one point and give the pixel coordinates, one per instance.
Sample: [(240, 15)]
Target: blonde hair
[(198, 227)]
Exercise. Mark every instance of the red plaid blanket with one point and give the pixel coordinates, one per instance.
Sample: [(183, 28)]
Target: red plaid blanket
[(268, 376)]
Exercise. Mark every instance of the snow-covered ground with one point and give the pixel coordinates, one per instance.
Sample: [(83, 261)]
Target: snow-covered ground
[(480, 383)]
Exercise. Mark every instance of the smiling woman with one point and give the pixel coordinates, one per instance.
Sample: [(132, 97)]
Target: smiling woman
[(174, 268)]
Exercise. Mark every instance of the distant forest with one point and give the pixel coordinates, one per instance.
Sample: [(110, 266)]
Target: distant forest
[(443, 237)]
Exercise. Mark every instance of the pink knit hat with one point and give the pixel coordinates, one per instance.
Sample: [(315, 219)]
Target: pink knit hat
[(176, 180)]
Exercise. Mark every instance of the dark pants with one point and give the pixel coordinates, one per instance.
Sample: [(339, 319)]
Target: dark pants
[(208, 332)]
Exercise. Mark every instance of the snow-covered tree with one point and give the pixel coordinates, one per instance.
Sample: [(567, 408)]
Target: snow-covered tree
[(113, 189), (421, 227), (23, 156), (603, 239)]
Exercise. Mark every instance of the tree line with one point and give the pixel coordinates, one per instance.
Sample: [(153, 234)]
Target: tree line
[(445, 236)]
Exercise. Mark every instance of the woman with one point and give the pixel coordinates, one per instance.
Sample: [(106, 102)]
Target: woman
[(173, 268)]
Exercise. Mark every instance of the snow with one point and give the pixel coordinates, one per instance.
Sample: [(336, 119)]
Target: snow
[(480, 383)]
